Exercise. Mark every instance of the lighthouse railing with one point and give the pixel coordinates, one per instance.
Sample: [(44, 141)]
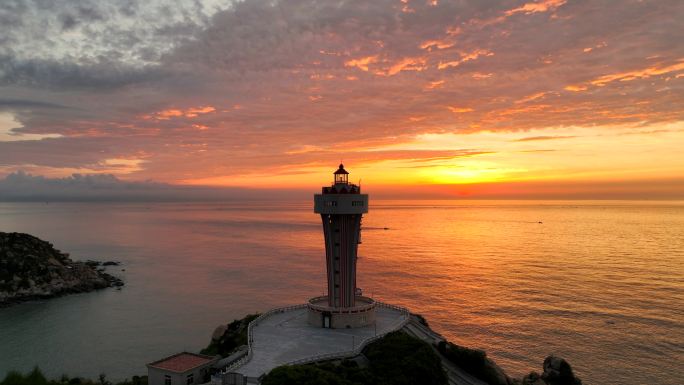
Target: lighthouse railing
[(217, 379), (250, 336), (358, 349)]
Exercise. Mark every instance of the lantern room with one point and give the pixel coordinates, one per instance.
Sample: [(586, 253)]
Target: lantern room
[(341, 175)]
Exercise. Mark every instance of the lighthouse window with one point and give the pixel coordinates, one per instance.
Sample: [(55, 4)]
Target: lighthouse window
[(357, 203), (331, 203)]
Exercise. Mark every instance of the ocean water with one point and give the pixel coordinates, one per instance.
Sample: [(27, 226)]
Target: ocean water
[(599, 283)]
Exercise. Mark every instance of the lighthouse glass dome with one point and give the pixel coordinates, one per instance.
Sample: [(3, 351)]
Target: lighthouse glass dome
[(341, 175)]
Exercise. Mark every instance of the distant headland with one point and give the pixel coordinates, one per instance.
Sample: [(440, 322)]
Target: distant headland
[(31, 268)]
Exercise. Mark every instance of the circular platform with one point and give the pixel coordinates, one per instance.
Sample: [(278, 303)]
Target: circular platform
[(324, 316)]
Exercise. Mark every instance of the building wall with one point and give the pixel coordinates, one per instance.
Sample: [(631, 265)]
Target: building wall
[(354, 320), (341, 320), (156, 376), (336, 204), (341, 233), (341, 217)]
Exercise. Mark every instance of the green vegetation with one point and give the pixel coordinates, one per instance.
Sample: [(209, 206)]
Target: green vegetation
[(31, 268), (421, 319), (474, 362), (36, 377), (396, 359), (229, 337)]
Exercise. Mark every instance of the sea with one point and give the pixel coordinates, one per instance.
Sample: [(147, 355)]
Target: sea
[(599, 283)]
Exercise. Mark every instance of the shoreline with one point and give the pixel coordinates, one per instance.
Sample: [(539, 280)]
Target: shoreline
[(462, 365), (32, 269)]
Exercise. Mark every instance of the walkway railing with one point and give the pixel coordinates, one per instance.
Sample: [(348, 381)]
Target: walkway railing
[(369, 304), (358, 349), (319, 357), (250, 336)]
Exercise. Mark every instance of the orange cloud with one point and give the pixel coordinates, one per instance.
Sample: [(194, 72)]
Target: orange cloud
[(527, 9), (439, 44), (541, 6), (434, 84), (597, 46), (176, 113), (459, 110), (407, 64), (362, 63), (167, 114), (193, 112), (638, 74), (406, 8), (532, 97), (464, 58), (543, 137), (480, 76), (629, 76), (521, 110)]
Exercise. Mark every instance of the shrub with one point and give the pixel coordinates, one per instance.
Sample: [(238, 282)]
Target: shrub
[(396, 359)]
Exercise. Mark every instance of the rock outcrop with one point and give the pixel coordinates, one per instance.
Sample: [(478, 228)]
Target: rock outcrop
[(226, 338), (475, 362), (31, 268), (557, 371)]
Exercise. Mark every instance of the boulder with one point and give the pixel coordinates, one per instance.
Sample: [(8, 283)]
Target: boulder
[(219, 332), (533, 379), (557, 371)]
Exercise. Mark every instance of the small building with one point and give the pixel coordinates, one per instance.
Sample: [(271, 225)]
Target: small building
[(181, 369)]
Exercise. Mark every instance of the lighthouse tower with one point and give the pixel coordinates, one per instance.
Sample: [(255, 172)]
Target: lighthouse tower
[(341, 206)]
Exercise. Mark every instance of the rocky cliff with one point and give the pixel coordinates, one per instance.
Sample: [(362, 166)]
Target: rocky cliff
[(557, 371), (226, 338), (31, 268)]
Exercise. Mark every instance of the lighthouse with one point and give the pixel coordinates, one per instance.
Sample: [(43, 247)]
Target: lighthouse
[(341, 207)]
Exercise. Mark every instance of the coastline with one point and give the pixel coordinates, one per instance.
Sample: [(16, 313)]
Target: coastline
[(462, 365), (414, 340), (32, 269)]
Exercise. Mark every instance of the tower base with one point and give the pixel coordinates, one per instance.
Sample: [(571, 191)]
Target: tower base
[(323, 316)]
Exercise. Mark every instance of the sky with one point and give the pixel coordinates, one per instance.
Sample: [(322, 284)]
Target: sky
[(420, 98)]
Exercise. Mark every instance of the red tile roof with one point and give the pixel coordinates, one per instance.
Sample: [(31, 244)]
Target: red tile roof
[(182, 362)]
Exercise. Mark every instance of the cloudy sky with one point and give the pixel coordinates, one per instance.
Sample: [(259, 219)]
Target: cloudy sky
[(469, 97)]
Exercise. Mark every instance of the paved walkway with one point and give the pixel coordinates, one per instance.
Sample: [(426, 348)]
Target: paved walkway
[(285, 337)]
